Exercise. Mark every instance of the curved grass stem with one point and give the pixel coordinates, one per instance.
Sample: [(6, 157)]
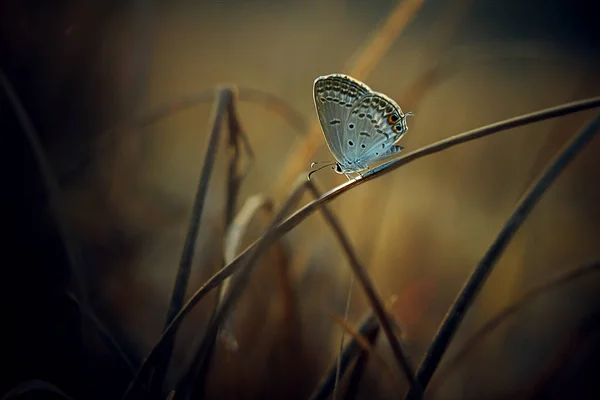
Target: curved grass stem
[(477, 278)]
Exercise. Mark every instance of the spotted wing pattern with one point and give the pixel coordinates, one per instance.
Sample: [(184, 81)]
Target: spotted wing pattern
[(360, 126), (335, 95), (375, 123)]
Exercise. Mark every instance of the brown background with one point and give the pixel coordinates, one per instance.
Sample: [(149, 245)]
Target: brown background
[(82, 69)]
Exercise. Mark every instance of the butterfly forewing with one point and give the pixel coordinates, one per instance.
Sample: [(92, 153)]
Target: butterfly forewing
[(335, 96)]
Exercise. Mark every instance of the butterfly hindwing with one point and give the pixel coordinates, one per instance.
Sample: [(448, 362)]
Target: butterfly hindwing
[(372, 128), (335, 96)]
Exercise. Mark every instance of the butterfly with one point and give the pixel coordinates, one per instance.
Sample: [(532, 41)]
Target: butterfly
[(360, 126)]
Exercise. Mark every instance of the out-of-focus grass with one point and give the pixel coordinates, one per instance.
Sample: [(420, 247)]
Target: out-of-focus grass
[(419, 229)]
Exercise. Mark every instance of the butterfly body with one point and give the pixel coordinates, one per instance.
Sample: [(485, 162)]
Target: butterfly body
[(360, 126)]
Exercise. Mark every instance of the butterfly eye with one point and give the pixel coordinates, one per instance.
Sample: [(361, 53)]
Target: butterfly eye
[(393, 118)]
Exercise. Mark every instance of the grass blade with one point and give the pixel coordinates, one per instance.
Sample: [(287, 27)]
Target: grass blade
[(499, 318), (224, 98)]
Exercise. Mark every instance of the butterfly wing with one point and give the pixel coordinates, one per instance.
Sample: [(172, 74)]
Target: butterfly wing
[(375, 123), (335, 96)]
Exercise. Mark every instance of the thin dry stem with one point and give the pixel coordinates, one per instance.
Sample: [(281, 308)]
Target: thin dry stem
[(359, 368), (369, 288), (367, 328), (364, 344), (224, 98), (478, 277)]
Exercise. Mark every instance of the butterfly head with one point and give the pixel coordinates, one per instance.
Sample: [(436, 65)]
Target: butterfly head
[(334, 165), (339, 168), (350, 166)]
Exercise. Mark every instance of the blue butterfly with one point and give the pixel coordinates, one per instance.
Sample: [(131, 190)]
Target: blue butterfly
[(360, 126)]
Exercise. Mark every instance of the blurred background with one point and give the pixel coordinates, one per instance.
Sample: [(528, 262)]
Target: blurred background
[(84, 71)]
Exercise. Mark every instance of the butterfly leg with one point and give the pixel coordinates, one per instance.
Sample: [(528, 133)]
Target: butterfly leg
[(357, 176)]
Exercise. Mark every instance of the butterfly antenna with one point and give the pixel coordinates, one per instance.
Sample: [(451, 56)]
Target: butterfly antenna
[(312, 165), (320, 168)]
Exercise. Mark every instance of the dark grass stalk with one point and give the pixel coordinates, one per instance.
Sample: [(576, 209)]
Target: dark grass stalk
[(304, 212), (532, 294), (224, 98), (34, 385), (478, 277), (72, 250), (364, 280), (201, 365), (367, 328), (359, 368)]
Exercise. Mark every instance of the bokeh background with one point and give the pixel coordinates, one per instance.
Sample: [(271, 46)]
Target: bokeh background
[(83, 69)]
